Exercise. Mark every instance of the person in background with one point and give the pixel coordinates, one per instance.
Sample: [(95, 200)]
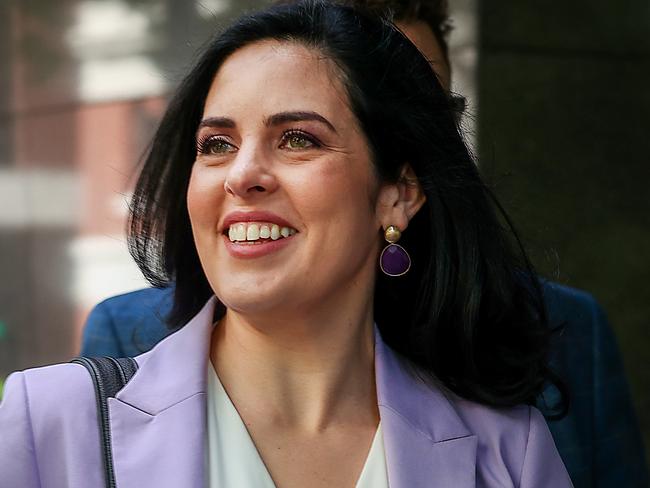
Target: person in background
[(598, 440)]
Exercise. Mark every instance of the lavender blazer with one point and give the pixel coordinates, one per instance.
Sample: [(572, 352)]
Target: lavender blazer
[(49, 436)]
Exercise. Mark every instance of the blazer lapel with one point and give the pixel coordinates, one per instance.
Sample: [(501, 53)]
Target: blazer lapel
[(426, 443), (158, 421)]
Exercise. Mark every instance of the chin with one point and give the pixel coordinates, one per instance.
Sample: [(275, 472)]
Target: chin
[(253, 302)]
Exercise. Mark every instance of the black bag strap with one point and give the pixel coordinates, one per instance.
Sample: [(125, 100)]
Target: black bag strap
[(109, 376)]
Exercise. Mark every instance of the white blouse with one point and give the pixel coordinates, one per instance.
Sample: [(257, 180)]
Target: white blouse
[(233, 459)]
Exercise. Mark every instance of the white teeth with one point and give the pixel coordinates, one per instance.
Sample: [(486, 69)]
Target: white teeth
[(240, 232), (253, 232)]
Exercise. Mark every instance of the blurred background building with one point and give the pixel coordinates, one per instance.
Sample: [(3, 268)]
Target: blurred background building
[(561, 131)]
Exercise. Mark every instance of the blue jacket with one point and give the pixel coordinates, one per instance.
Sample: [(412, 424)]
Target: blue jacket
[(599, 440)]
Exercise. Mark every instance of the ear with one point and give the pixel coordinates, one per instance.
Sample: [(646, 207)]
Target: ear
[(398, 202)]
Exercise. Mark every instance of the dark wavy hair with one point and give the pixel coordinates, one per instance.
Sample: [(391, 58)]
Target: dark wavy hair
[(470, 311)]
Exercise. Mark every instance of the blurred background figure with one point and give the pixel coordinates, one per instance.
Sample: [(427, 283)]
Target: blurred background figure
[(560, 129)]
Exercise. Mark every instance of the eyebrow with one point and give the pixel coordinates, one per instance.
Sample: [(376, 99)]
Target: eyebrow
[(218, 122), (284, 117), (273, 120)]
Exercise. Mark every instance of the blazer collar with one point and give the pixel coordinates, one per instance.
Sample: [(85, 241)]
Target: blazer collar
[(161, 382), (158, 421), (426, 442)]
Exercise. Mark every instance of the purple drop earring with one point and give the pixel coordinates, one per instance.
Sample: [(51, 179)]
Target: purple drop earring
[(394, 260)]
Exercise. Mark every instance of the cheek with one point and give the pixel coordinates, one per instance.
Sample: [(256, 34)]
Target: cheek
[(353, 198), (337, 192), (318, 202), (204, 193)]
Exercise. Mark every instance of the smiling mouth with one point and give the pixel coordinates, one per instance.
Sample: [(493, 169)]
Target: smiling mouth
[(251, 233)]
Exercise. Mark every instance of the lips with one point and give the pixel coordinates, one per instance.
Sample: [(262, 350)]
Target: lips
[(256, 233)]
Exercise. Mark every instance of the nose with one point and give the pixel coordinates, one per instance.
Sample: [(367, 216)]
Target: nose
[(250, 174)]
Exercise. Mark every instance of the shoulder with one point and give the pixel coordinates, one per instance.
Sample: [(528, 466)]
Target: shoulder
[(501, 432), (153, 299), (487, 421), (585, 339), (128, 324), (582, 327), (510, 443), (515, 440), (129, 308), (57, 389), (569, 304), (48, 420)]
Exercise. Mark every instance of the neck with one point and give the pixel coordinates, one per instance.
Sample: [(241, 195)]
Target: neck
[(307, 371)]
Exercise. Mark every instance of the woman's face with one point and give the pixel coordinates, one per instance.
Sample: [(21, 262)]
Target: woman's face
[(283, 197)]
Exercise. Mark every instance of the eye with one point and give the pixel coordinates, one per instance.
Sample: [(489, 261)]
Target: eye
[(297, 139), (214, 145)]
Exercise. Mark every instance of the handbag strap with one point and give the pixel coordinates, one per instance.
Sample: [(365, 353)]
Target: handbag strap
[(109, 376)]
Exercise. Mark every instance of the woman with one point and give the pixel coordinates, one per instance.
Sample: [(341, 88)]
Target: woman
[(308, 137)]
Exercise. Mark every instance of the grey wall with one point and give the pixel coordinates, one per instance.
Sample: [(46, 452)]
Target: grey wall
[(565, 136)]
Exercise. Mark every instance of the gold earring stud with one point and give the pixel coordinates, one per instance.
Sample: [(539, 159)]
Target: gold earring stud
[(392, 234)]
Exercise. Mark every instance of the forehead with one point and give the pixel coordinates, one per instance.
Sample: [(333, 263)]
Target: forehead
[(268, 74)]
